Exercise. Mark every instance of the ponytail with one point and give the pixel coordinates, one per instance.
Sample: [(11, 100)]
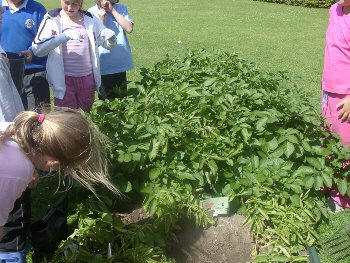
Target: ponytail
[(21, 131), (67, 136)]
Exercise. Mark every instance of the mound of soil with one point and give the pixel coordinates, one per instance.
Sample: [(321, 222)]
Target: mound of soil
[(228, 241), (135, 217)]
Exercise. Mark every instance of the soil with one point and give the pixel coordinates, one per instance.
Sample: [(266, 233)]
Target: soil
[(137, 216), (228, 241)]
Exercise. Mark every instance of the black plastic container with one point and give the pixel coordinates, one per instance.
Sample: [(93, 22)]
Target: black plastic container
[(17, 63)]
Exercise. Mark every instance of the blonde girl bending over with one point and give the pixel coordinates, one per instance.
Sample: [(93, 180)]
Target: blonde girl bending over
[(63, 139)]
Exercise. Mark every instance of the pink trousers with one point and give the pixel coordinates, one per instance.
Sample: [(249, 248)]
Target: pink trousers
[(331, 112), (80, 93)]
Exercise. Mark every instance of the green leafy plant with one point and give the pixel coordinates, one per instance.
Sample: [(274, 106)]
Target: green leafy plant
[(213, 124), (102, 237), (98, 230)]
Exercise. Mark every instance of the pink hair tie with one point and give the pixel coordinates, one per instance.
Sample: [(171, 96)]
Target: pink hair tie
[(41, 118)]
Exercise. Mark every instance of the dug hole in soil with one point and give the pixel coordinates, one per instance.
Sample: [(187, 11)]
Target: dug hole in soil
[(228, 241)]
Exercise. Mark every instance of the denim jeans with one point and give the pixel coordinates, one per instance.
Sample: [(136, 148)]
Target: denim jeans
[(18, 257), (113, 86)]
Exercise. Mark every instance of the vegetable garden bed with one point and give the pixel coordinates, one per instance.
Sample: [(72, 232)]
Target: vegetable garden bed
[(205, 125)]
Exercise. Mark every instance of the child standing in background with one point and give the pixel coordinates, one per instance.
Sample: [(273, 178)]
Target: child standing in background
[(115, 62), (335, 79), (21, 20), (71, 36), (10, 101)]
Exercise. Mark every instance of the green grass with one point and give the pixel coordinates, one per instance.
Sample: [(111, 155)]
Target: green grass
[(276, 37)]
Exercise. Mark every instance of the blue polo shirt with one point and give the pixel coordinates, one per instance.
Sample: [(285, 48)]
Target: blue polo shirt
[(118, 59), (19, 28)]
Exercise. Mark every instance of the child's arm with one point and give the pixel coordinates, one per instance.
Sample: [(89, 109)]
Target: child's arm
[(48, 39), (35, 180), (127, 25), (105, 36), (344, 110)]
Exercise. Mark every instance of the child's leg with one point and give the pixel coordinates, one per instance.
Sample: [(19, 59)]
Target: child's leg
[(85, 92), (114, 85), (41, 88), (108, 82), (36, 90), (70, 97), (121, 84), (331, 112)]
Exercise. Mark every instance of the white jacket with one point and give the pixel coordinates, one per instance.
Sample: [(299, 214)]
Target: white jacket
[(48, 42), (10, 101)]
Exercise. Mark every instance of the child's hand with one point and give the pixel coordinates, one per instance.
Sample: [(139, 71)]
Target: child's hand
[(112, 41), (107, 6), (28, 55), (5, 59), (73, 35), (343, 2), (344, 110), (35, 180), (110, 37), (102, 14)]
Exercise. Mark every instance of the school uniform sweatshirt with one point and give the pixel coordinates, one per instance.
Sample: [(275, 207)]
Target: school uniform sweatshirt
[(19, 28)]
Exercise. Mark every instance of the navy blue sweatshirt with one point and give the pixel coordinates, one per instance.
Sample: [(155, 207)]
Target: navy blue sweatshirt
[(19, 30)]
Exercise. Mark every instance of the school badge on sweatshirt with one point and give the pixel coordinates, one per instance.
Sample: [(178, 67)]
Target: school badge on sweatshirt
[(29, 23)]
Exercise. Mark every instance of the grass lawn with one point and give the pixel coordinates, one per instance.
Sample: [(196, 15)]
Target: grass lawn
[(276, 37)]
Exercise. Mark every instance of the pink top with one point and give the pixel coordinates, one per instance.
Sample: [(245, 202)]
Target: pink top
[(336, 70), (16, 172), (76, 53)]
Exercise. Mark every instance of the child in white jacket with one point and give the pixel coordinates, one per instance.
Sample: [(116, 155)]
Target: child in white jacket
[(10, 101), (70, 37)]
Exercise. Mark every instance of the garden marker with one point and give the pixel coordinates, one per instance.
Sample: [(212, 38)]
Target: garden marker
[(216, 206)]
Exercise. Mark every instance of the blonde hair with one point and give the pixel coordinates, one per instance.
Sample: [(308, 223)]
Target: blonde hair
[(67, 136)]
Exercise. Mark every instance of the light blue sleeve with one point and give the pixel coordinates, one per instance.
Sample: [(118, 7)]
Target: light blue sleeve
[(123, 10)]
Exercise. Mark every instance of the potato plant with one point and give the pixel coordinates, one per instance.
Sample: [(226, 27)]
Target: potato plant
[(211, 124)]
